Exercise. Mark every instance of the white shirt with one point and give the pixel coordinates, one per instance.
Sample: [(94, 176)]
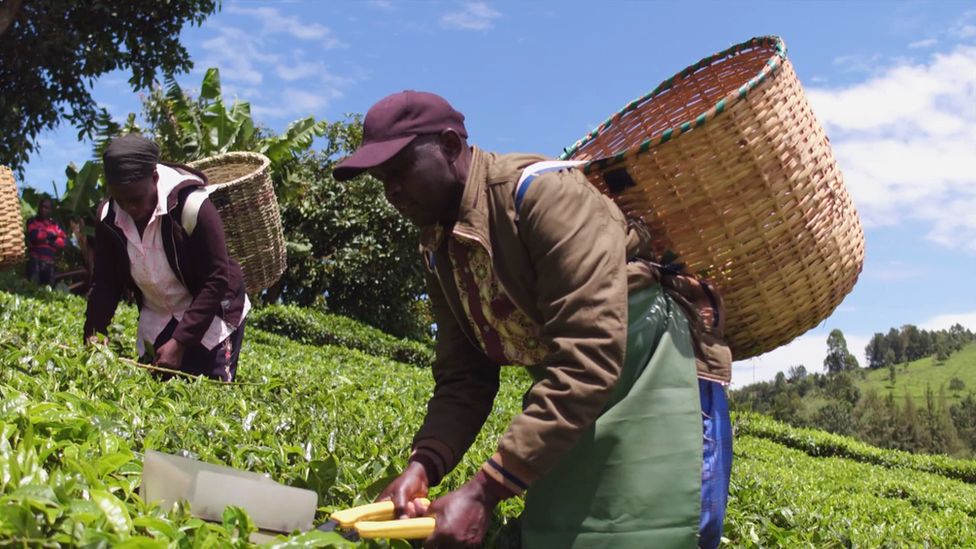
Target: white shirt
[(164, 297)]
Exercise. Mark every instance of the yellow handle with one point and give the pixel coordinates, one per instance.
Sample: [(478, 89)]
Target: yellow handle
[(415, 528), (381, 510)]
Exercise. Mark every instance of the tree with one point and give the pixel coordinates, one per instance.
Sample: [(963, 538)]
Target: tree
[(841, 386), (911, 432), (964, 418), (916, 343), (897, 346), (779, 382), (943, 347), (837, 416), (876, 418), (956, 384), (53, 50), (943, 436), (838, 359), (876, 351), (350, 249), (796, 373)]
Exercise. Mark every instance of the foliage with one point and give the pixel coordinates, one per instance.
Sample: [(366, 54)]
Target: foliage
[(351, 248), (318, 328), (956, 384), (53, 50), (919, 414), (783, 497), (74, 422), (188, 128), (838, 358), (820, 444), (913, 377), (910, 343)]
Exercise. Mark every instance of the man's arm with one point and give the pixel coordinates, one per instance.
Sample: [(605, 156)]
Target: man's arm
[(465, 386), (59, 236), (576, 241), (206, 245)]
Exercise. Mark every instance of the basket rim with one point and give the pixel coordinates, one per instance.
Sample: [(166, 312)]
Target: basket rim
[(730, 99), (223, 158)]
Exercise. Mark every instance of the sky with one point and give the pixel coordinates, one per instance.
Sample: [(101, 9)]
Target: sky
[(893, 83)]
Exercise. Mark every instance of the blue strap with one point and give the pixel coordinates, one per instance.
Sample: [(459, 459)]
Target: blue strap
[(534, 170)]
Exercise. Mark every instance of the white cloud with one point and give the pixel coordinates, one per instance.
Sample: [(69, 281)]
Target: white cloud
[(237, 54), (273, 22), (299, 70), (905, 140), (926, 43), (857, 63), (297, 103), (943, 322), (894, 271), (474, 16), (278, 85), (808, 350), (965, 26)]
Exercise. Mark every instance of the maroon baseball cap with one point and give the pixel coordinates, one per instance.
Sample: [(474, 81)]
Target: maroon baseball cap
[(392, 123)]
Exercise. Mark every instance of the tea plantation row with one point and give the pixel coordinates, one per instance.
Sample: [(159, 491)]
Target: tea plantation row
[(74, 421)]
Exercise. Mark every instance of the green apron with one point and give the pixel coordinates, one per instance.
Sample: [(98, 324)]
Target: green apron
[(634, 479)]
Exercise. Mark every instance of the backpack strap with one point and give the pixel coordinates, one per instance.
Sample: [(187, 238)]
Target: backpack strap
[(534, 170), (191, 208)]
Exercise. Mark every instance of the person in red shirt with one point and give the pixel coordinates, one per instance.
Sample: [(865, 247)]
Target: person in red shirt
[(44, 238)]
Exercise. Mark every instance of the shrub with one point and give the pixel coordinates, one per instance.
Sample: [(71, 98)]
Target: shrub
[(318, 328)]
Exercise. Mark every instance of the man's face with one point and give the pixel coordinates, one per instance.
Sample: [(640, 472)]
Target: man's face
[(44, 209), (136, 198), (421, 183)]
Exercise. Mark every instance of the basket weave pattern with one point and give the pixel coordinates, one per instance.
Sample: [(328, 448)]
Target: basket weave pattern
[(750, 196), (240, 188), (11, 222)]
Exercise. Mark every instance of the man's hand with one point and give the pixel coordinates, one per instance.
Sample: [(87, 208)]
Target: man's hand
[(170, 355), (462, 515), (411, 484), (97, 339)]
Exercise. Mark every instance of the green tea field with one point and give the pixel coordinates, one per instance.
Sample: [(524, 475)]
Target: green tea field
[(335, 414)]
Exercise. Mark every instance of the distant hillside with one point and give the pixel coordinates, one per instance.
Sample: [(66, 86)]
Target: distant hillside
[(914, 377), (938, 416)]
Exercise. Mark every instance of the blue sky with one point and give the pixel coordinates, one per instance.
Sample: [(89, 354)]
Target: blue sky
[(893, 83)]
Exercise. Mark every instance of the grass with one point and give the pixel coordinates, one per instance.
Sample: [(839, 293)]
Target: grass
[(913, 378)]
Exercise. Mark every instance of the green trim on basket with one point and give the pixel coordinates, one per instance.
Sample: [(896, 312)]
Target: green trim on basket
[(772, 64)]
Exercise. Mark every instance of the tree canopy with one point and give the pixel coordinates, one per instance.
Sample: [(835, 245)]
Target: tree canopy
[(52, 51), (838, 358)]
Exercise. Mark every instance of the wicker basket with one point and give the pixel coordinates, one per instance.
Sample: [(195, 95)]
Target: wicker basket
[(11, 222), (727, 165), (240, 188)]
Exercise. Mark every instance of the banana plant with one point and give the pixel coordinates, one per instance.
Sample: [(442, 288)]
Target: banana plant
[(189, 128)]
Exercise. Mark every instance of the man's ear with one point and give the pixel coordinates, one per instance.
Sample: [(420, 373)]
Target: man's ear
[(451, 144), (155, 176)]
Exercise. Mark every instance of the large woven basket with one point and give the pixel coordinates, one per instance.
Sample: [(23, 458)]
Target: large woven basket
[(11, 222), (240, 187), (730, 169)]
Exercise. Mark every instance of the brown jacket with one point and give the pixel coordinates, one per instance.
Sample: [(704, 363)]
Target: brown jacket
[(564, 263)]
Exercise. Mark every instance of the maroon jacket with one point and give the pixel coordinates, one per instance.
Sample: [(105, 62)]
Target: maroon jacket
[(199, 260)]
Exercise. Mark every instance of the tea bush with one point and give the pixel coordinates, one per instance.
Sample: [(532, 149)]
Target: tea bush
[(75, 421)]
